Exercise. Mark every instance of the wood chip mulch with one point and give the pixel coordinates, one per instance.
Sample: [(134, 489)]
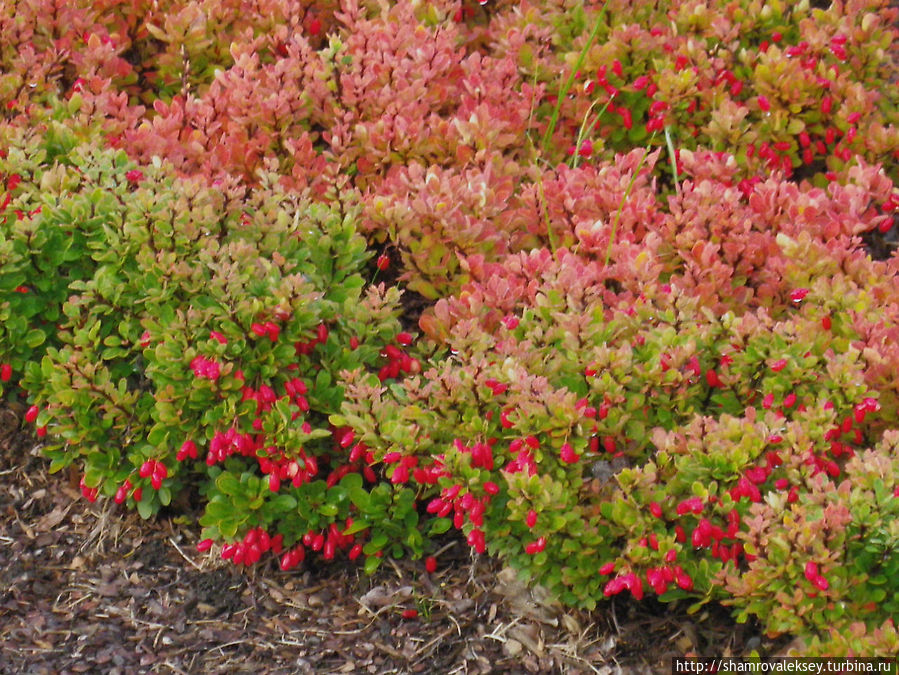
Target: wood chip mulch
[(90, 588)]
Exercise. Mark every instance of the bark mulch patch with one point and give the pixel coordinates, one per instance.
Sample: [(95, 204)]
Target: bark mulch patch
[(91, 588)]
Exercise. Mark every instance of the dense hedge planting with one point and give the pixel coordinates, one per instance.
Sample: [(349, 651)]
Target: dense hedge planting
[(648, 342)]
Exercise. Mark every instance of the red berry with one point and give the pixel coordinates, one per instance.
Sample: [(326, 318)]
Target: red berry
[(431, 564), (535, 546), (410, 613), (683, 579), (798, 294), (383, 262), (31, 415), (204, 545), (568, 455), (510, 322), (188, 449), (5, 372), (711, 377), (272, 330), (692, 504)]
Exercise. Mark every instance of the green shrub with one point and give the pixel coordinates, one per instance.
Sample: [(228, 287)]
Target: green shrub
[(197, 340), (656, 446)]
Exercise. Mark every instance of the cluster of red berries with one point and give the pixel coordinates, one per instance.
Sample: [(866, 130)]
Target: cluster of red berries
[(522, 450), (320, 338), (402, 464), (89, 493), (327, 541), (205, 368), (31, 417), (398, 360), (658, 579), (11, 184), (122, 493), (156, 471), (465, 506), (722, 543), (250, 549), (812, 574)]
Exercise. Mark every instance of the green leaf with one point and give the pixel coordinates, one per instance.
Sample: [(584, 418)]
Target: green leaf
[(378, 542), (35, 338), (371, 564), (158, 436), (228, 528), (360, 498), (59, 463), (228, 484), (323, 379), (439, 526), (145, 509), (359, 525), (215, 511), (283, 503), (165, 495)]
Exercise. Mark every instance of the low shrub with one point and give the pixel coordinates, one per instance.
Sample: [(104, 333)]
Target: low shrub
[(656, 447), (189, 340), (781, 86)]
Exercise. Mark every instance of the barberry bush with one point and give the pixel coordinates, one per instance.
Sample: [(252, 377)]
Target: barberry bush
[(657, 447), (782, 86), (653, 244), (194, 344)]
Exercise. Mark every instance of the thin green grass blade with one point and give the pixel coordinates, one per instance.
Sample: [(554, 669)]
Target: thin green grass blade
[(624, 197), (567, 86)]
